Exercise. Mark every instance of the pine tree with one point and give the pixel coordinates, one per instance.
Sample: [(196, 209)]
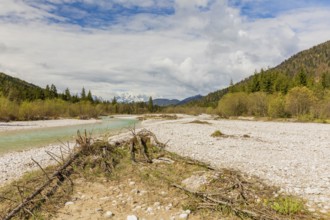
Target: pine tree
[(150, 105), (89, 96), (83, 94), (53, 91), (301, 78), (114, 101), (67, 94), (47, 92)]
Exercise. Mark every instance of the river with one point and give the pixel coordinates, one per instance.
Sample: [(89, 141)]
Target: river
[(25, 139)]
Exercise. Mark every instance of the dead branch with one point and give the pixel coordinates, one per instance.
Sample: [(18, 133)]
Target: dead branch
[(54, 156), (55, 175), (205, 196), (41, 168)]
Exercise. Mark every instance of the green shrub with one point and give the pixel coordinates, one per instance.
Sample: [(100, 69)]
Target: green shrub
[(233, 104), (217, 133)]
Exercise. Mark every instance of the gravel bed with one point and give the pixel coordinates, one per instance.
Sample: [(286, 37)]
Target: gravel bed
[(14, 165), (293, 156)]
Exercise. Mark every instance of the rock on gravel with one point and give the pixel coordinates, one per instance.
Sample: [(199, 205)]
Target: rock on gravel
[(108, 214)]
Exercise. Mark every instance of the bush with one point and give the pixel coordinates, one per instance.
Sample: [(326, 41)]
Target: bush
[(258, 104), (8, 110), (299, 101), (276, 107), (233, 104)]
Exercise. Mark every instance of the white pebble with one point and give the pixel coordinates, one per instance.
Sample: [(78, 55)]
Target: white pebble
[(187, 211), (183, 216), (69, 203), (132, 183), (132, 217), (108, 214)]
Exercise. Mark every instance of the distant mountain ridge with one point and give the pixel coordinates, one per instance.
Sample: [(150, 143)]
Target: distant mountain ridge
[(168, 102), (165, 102), (129, 98), (190, 99)]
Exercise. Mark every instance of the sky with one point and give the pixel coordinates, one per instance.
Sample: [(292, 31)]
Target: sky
[(158, 48)]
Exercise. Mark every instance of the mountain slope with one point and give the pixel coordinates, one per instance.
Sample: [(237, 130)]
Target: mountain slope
[(190, 99), (165, 102), (310, 68), (16, 89)]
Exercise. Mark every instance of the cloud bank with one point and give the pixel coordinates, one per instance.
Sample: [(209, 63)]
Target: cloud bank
[(170, 48)]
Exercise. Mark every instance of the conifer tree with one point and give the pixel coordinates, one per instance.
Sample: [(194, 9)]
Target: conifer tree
[(83, 94)]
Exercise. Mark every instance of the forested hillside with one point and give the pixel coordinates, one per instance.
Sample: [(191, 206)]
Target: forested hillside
[(16, 89), (20, 100), (299, 87), (310, 68)]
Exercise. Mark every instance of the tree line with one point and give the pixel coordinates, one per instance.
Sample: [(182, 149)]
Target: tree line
[(50, 104)]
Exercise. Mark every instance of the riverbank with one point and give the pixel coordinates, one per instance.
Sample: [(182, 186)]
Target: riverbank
[(16, 162), (293, 156), (26, 125)]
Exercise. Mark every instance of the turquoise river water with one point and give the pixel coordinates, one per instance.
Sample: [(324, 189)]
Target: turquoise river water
[(25, 139)]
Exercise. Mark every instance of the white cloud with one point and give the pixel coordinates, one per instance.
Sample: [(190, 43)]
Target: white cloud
[(175, 56)]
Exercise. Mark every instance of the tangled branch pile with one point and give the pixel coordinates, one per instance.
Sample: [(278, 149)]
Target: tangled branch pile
[(87, 156)]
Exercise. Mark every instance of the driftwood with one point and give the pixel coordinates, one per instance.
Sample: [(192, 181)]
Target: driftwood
[(207, 198), (56, 175), (138, 143)]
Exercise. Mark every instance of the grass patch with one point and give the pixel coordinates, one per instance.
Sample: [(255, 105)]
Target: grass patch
[(217, 133), (287, 205)]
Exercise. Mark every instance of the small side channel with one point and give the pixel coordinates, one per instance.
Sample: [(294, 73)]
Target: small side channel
[(25, 139)]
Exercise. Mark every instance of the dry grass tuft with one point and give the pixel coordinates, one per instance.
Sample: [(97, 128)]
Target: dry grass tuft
[(200, 122), (217, 133), (161, 117)]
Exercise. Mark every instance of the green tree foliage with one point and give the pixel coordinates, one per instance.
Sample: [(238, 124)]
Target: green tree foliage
[(233, 104), (67, 95), (8, 109), (83, 94), (89, 96), (150, 104), (299, 101), (114, 101), (276, 106), (18, 90), (325, 80), (53, 92), (47, 92), (301, 78), (257, 104)]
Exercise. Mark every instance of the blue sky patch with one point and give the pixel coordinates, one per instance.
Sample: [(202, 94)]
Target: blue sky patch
[(255, 9), (93, 15)]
